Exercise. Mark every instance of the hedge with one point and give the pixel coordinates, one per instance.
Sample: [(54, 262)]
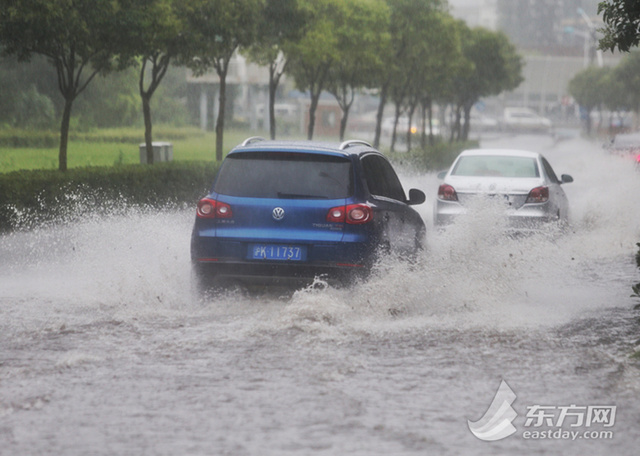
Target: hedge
[(16, 137), (32, 198)]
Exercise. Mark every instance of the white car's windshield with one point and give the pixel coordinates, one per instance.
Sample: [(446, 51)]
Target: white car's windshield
[(496, 166)]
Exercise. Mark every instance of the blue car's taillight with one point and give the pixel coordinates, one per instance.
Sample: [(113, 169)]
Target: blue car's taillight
[(353, 214), (210, 208)]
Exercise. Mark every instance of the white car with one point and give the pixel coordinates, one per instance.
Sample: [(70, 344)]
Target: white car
[(524, 120), (524, 181)]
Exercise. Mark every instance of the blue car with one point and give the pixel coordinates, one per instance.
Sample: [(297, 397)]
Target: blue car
[(284, 210)]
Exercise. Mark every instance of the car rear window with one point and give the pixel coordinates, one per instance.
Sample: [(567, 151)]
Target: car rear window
[(285, 175), (496, 166)]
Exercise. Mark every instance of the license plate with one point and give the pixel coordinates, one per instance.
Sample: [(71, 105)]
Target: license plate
[(276, 252)]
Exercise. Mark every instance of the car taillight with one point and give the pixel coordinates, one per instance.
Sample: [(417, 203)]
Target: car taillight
[(353, 214), (447, 193), (210, 208), (336, 214), (359, 213), (538, 195)]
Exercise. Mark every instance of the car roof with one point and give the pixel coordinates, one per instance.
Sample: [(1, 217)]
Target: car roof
[(500, 152), (346, 148)]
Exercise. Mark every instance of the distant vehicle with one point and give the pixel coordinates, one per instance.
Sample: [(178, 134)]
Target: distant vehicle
[(524, 120), (282, 211), (625, 145), (484, 123), (280, 110), (524, 181)]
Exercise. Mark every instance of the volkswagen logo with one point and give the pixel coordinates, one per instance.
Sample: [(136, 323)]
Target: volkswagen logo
[(278, 213)]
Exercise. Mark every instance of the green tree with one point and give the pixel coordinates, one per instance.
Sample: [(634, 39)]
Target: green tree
[(19, 78), (627, 72), (362, 40), (78, 38), (622, 24), (110, 101), (34, 109), (437, 59), (153, 38), (493, 66), (281, 22), (313, 54), (589, 89), (215, 29), (406, 26)]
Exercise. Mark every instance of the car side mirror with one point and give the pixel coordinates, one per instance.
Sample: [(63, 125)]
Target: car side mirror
[(416, 197), (566, 179), (442, 175)]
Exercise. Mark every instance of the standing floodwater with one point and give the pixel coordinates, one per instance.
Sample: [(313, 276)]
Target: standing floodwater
[(105, 350)]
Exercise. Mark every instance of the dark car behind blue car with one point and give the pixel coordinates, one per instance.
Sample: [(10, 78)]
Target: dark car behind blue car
[(282, 210)]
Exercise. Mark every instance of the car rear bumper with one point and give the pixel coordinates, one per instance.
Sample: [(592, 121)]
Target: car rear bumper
[(276, 273), (231, 259), (526, 216)]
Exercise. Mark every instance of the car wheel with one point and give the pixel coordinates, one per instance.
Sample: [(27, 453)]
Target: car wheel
[(203, 279)]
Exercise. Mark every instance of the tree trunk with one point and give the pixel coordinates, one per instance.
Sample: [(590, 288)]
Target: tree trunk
[(148, 138), (467, 122), (343, 121), (159, 66), (430, 114), (412, 110), (395, 127), (222, 73), (273, 87), (64, 134), (345, 103), (312, 114), (455, 129), (383, 101), (272, 107), (423, 125)]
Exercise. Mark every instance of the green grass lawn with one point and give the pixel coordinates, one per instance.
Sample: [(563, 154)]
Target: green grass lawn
[(196, 145)]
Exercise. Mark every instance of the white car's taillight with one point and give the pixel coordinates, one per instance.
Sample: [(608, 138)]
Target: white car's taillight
[(538, 195), (447, 193)]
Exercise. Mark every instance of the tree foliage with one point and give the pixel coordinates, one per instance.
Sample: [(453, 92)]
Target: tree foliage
[(215, 29), (409, 24), (281, 22), (411, 52), (362, 41), (493, 65), (617, 88), (78, 38), (627, 74), (589, 89), (622, 24), (312, 55), (153, 37)]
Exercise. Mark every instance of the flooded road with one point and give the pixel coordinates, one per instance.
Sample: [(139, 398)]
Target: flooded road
[(105, 350)]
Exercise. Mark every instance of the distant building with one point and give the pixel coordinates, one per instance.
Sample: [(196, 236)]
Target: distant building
[(476, 13), (546, 25), (557, 39)]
